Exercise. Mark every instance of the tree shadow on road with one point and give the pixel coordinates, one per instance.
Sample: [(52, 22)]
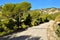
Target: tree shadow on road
[(23, 37)]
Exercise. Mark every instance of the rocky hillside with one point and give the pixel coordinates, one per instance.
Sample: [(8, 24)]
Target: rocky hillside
[(51, 10)]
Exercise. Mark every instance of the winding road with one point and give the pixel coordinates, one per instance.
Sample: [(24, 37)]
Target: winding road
[(40, 32)]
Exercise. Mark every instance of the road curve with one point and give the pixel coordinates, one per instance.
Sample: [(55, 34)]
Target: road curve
[(33, 33)]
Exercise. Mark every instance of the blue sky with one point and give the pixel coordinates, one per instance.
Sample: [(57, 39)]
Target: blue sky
[(36, 4)]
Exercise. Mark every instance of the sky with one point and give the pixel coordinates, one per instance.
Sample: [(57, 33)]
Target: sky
[(36, 4)]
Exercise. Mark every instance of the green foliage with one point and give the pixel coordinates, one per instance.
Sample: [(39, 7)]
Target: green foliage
[(57, 19), (7, 9), (44, 18), (11, 25), (55, 15), (28, 20), (25, 16), (22, 7), (35, 14), (33, 23), (58, 30), (25, 6), (23, 26), (19, 16), (16, 16), (2, 27)]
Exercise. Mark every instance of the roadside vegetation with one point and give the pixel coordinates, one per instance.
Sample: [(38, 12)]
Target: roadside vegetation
[(58, 26), (15, 17)]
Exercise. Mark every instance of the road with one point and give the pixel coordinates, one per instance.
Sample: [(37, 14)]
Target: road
[(33, 33)]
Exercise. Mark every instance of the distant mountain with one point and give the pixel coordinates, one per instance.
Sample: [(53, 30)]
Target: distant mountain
[(50, 10)]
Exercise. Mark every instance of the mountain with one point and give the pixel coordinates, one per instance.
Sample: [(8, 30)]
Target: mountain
[(50, 10)]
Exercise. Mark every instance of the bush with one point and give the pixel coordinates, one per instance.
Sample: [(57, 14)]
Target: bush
[(11, 25), (23, 26), (53, 16), (58, 31), (28, 20), (3, 29), (33, 23), (57, 19), (44, 18)]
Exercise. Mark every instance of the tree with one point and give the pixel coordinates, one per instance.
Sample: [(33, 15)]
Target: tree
[(28, 20), (7, 10), (21, 9), (35, 15), (24, 6), (17, 12)]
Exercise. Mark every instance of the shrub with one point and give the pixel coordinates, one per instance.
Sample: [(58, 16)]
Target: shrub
[(11, 25), (28, 20), (55, 15), (23, 26), (2, 27), (44, 18), (33, 23), (58, 31), (35, 14), (57, 19)]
